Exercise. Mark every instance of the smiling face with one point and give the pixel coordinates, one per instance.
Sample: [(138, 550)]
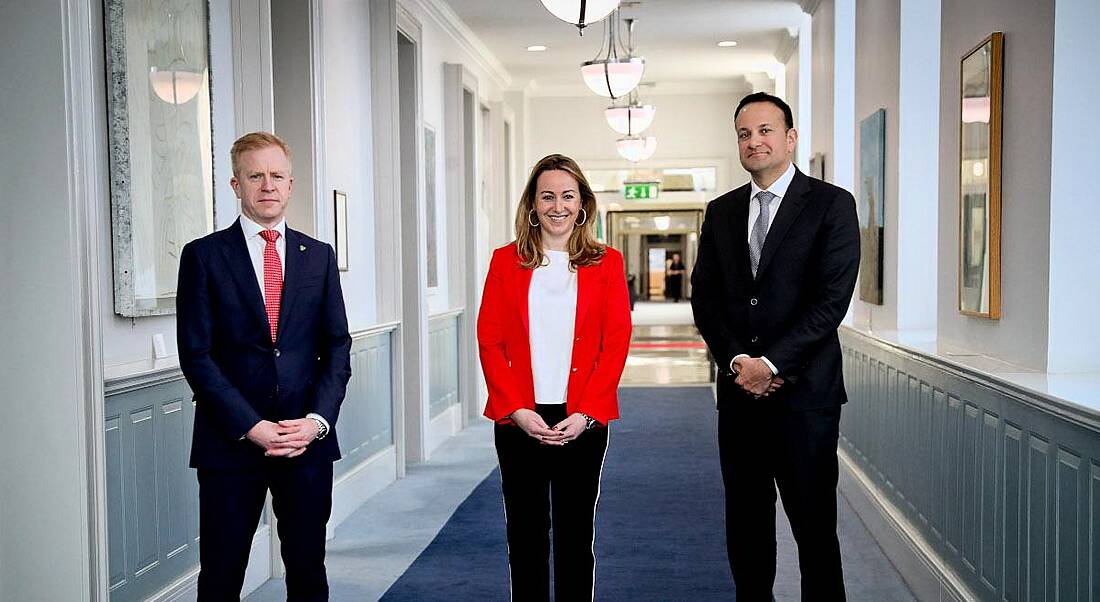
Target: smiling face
[(263, 183), (557, 205), (764, 143)]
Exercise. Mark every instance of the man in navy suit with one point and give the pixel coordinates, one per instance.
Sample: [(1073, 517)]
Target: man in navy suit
[(264, 344), (774, 276)]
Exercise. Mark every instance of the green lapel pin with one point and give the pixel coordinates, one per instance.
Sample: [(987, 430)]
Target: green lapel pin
[(302, 248)]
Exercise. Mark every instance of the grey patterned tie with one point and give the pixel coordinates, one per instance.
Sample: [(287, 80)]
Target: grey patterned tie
[(760, 229)]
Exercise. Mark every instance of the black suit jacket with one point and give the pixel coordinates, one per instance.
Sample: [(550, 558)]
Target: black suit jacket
[(237, 374), (791, 311)]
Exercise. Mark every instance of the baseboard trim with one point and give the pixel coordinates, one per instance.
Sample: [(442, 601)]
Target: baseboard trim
[(922, 568), (443, 427), (186, 588), (353, 488)]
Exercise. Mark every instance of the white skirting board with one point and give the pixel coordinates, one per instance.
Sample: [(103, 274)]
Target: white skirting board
[(924, 571), (443, 427), (185, 589)]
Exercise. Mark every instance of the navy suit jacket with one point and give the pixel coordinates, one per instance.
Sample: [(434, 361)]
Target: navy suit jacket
[(237, 374), (791, 310)]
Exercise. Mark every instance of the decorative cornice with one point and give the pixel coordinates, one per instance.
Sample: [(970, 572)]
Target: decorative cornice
[(787, 47), (809, 6), (446, 18)]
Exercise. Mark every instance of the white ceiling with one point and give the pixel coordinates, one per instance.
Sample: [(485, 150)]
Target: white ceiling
[(678, 39)]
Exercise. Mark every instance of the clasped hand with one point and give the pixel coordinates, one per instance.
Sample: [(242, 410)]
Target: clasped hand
[(286, 438), (755, 377), (535, 427)]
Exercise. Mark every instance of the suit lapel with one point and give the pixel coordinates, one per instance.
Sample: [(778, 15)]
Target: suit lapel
[(740, 226), (296, 251), (793, 203), (522, 288), (235, 251), (586, 289)]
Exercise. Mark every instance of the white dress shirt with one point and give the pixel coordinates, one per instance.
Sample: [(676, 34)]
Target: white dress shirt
[(779, 189), (551, 312), (256, 245)]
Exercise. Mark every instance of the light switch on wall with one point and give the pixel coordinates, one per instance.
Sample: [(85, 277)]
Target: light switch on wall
[(160, 350)]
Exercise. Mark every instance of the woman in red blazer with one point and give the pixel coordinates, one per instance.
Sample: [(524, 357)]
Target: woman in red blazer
[(553, 332)]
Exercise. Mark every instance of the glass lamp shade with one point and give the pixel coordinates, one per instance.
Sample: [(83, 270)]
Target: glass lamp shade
[(613, 78), (634, 149), (175, 87), (630, 120), (570, 11)]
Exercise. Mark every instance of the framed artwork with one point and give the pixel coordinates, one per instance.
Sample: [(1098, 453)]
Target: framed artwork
[(817, 166), (341, 214), (872, 205), (430, 206), (981, 105), (160, 139)]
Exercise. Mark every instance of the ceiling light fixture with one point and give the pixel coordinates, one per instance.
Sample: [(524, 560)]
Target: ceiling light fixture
[(536, 48), (580, 12), (614, 76), (636, 148), (179, 81), (727, 44), (630, 119)]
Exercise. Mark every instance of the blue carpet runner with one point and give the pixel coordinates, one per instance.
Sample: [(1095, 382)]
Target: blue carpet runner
[(659, 526)]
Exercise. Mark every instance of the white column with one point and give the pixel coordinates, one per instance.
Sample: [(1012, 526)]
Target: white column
[(804, 119), (844, 100), (1074, 325), (918, 165)]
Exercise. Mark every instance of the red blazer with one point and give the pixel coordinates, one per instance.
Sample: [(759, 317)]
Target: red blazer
[(600, 344)]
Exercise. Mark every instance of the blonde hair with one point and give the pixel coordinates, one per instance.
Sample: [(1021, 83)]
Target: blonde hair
[(583, 248), (255, 141)]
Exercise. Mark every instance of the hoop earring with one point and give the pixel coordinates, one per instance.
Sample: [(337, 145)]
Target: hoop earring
[(583, 221), (529, 221)]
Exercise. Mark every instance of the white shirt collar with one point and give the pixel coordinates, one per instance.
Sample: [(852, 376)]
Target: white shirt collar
[(778, 187), (251, 228)]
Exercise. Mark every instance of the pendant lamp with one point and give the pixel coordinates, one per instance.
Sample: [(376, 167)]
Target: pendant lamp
[(618, 71), (180, 80), (580, 12), (635, 148), (632, 118)]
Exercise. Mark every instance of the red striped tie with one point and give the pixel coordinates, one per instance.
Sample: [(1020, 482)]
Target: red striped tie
[(273, 280)]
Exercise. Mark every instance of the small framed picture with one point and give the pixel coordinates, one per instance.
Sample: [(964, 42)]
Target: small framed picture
[(341, 221)]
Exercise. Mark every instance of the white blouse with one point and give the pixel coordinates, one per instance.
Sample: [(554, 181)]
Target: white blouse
[(552, 311)]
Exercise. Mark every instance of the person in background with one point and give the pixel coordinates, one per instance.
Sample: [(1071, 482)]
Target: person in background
[(674, 278), (553, 334), (264, 345)]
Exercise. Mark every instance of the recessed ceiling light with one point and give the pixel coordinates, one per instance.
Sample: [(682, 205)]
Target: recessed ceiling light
[(727, 44), (536, 48)]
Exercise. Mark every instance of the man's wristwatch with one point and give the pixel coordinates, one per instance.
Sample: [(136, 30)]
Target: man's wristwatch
[(322, 430), (589, 422)]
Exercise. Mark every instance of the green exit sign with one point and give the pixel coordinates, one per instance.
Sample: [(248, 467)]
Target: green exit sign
[(641, 190)]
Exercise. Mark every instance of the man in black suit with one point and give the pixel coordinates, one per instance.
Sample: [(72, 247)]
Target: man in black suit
[(264, 344), (776, 268)]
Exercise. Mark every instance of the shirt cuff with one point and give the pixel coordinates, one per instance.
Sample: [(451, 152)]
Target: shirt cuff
[(771, 366), (328, 429)]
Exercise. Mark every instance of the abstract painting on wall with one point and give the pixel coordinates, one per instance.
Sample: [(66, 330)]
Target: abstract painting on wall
[(872, 204)]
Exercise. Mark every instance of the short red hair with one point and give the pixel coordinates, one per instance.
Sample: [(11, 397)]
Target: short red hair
[(255, 141)]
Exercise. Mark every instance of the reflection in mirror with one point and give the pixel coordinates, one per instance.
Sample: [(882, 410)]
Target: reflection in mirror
[(979, 178), (162, 192)]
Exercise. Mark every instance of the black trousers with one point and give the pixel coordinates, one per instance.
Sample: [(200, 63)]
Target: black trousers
[(230, 503), (762, 446), (549, 485)]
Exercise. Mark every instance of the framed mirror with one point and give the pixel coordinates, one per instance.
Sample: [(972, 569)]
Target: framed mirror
[(981, 98), (160, 136)]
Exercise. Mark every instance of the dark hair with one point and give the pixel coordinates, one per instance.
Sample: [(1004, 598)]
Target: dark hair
[(788, 117), (583, 247)]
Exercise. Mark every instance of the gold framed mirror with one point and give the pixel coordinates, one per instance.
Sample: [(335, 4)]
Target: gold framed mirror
[(981, 95)]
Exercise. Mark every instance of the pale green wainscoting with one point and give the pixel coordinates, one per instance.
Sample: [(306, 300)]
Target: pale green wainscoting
[(152, 495), (999, 486)]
